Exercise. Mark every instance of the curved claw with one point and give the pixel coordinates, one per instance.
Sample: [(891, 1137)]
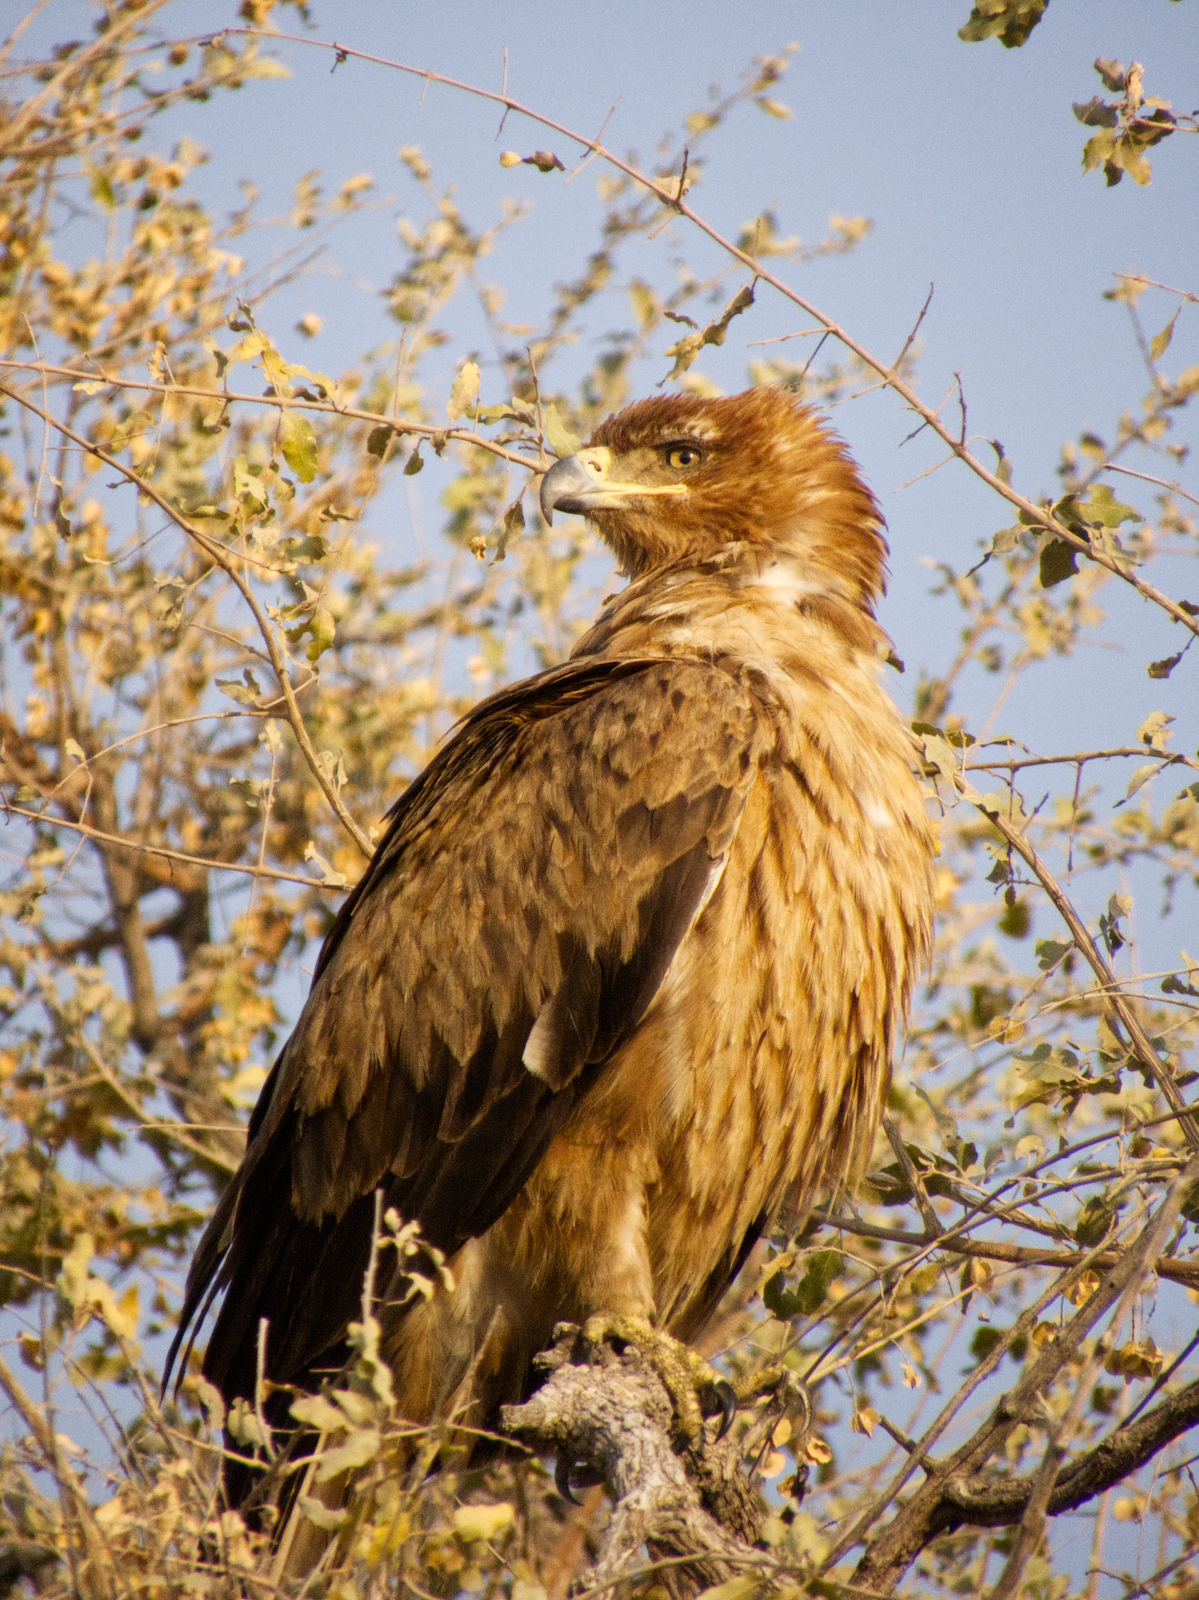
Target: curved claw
[(562, 1477), (726, 1397)]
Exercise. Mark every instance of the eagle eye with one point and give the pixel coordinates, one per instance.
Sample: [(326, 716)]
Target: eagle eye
[(683, 455)]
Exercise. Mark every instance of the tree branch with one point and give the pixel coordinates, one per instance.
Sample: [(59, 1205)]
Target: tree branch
[(616, 1417), (227, 566), (933, 1509), (1184, 1272), (1113, 997), (990, 1505)]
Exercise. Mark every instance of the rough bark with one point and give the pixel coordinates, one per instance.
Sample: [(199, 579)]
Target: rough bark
[(614, 1416)]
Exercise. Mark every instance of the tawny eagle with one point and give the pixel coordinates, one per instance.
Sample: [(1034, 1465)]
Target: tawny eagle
[(623, 979)]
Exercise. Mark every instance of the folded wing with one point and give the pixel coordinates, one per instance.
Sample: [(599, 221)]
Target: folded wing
[(508, 936)]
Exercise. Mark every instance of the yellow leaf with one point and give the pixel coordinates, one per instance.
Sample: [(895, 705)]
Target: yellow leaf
[(558, 436), (73, 1279), (360, 1447), (298, 444), (319, 1413), (1083, 1289), (122, 1315), (482, 1522), (817, 1450), (465, 390), (865, 1420), (249, 348), (320, 1514)]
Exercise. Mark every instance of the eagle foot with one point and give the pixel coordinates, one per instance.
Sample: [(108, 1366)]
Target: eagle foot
[(695, 1388), (782, 1385)]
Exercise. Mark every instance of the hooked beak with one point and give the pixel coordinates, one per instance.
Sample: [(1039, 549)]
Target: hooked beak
[(580, 484)]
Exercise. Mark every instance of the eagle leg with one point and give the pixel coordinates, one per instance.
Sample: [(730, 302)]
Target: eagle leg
[(695, 1388)]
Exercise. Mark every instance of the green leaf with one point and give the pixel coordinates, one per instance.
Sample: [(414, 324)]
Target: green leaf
[(1005, 539), (317, 1512), (319, 1413), (246, 693), (1050, 952), (809, 1293), (938, 754), (101, 188), (813, 1287), (298, 444), (1009, 21), (1129, 155), (1099, 148), (1141, 777), (1101, 506), (378, 439), (513, 525), (138, 422), (1094, 1220), (361, 1446), (688, 347), (1058, 561), (515, 411), (482, 1522), (322, 629)]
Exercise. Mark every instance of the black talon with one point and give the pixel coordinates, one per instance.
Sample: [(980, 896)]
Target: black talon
[(562, 1478), (726, 1395)]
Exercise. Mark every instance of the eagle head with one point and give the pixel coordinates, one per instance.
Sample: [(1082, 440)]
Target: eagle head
[(680, 479)]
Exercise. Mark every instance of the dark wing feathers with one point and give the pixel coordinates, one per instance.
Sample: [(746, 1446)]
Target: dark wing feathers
[(509, 934)]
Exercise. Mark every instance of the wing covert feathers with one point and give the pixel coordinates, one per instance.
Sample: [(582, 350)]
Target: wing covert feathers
[(510, 932)]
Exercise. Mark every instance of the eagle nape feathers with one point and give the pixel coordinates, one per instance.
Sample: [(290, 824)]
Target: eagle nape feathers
[(621, 986)]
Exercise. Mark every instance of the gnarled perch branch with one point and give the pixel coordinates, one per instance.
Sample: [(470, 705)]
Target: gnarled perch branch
[(614, 1415)]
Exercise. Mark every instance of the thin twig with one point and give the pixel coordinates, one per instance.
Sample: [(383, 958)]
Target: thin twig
[(1116, 1001), (143, 847), (218, 554)]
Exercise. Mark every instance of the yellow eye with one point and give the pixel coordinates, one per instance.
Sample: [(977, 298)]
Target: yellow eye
[(683, 455)]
